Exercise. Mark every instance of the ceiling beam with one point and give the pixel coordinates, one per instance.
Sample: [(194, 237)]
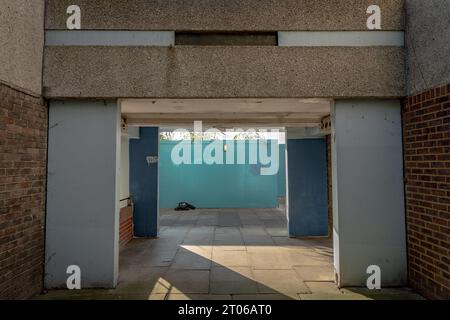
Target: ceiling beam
[(225, 122)]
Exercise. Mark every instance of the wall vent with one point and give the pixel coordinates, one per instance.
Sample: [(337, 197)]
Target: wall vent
[(226, 38)]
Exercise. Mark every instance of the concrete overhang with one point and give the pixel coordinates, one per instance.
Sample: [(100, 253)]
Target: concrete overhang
[(223, 72), (224, 15), (128, 51)]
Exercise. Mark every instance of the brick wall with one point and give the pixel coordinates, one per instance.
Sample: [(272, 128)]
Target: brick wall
[(23, 157), (426, 124), (126, 226)]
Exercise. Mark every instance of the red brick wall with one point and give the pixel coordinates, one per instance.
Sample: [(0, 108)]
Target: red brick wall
[(126, 226), (23, 158), (426, 124)]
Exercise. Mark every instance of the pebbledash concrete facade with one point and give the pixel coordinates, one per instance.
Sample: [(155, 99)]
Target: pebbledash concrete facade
[(389, 149)]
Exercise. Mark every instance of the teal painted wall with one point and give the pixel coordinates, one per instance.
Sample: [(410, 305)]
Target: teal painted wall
[(217, 186)]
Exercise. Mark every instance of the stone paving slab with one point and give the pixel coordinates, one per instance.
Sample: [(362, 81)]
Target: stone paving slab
[(227, 254)]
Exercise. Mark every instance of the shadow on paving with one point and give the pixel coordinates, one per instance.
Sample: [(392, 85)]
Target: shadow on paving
[(224, 255)]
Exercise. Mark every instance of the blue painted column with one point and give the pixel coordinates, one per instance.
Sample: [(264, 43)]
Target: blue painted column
[(307, 187), (144, 182), (282, 172)]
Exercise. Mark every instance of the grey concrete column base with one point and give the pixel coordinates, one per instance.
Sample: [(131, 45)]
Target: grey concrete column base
[(83, 192), (368, 191)]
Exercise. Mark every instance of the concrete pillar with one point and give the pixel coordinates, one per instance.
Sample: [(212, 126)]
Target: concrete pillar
[(368, 191), (83, 193), (144, 174)]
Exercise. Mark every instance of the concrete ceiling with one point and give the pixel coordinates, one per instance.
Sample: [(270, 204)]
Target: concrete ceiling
[(226, 112)]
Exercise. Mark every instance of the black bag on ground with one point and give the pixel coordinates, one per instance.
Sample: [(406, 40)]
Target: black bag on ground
[(184, 206)]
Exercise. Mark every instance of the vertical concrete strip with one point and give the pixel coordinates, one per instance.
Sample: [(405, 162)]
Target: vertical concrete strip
[(368, 197), (83, 193), (427, 44)]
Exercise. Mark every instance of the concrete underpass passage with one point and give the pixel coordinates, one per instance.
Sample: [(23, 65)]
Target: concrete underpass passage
[(236, 243), (229, 252), (241, 175)]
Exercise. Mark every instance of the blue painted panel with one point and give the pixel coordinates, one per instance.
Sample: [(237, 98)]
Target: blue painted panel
[(215, 186), (282, 172), (144, 182), (308, 198)]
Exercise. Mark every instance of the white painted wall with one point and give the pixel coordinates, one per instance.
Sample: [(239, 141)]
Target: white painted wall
[(82, 226), (368, 191)]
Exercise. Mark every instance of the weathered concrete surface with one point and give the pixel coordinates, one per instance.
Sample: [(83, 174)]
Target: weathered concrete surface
[(216, 15), (21, 44), (428, 44), (223, 72), (368, 196), (82, 226)]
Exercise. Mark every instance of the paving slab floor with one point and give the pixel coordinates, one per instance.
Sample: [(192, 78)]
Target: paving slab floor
[(227, 254)]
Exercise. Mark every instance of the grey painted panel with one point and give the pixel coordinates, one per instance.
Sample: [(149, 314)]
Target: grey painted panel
[(225, 15), (224, 72), (428, 44), (109, 38), (369, 199), (83, 193), (21, 44), (341, 38)]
